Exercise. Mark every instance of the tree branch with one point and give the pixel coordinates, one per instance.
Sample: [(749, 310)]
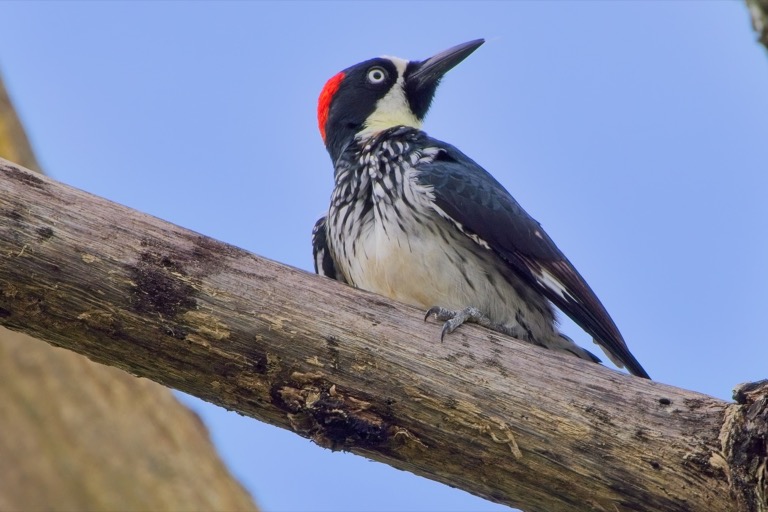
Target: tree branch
[(354, 371)]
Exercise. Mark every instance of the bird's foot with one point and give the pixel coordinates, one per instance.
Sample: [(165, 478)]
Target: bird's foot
[(453, 319)]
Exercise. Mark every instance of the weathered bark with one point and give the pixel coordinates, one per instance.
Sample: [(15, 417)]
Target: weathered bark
[(76, 435), (758, 10), (351, 370)]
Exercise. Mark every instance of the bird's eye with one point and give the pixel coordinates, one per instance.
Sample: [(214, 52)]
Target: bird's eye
[(376, 75)]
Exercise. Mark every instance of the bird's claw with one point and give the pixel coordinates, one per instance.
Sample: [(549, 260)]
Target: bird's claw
[(453, 319), (439, 313)]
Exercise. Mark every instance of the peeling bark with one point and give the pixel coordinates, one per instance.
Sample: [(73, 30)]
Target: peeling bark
[(744, 439)]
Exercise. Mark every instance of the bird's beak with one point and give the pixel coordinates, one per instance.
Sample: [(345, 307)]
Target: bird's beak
[(429, 72)]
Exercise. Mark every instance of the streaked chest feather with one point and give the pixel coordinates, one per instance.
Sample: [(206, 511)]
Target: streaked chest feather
[(386, 237)]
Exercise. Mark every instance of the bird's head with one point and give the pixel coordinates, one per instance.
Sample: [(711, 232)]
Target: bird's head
[(382, 93)]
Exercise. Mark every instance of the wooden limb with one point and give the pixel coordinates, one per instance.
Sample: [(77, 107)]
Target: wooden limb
[(354, 371)]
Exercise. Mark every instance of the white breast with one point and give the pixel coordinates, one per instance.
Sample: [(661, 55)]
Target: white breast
[(420, 259)]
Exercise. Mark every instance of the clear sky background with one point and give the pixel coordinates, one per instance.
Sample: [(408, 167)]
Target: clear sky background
[(635, 132)]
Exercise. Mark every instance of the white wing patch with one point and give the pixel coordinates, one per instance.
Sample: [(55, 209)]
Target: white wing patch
[(428, 155), (549, 281), (479, 241)]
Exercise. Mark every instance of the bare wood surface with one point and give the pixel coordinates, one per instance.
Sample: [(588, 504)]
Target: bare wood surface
[(76, 435), (351, 370)]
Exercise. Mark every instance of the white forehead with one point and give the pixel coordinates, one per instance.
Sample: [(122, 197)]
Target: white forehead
[(400, 64)]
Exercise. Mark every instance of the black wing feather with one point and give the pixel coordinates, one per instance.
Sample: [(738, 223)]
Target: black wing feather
[(324, 263), (471, 198)]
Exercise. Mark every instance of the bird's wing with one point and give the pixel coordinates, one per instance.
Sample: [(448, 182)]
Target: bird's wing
[(469, 197), (324, 264)]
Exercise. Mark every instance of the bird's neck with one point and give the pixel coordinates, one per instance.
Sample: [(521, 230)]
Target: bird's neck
[(362, 152), (385, 119), (368, 137)]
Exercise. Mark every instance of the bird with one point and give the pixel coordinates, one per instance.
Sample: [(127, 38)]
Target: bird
[(416, 220)]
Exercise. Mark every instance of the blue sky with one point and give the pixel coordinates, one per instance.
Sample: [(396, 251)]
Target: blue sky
[(633, 131)]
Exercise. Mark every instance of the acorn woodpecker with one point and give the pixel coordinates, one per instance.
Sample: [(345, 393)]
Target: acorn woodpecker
[(416, 220)]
